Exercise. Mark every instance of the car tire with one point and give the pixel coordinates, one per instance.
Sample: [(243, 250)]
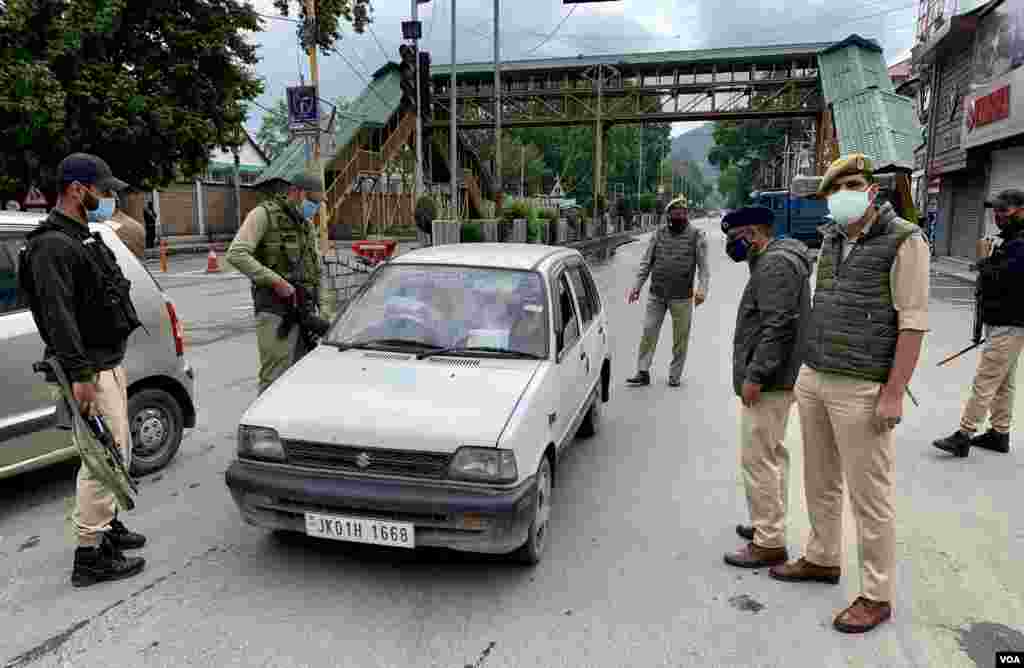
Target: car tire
[(592, 420), (157, 426), (532, 551)]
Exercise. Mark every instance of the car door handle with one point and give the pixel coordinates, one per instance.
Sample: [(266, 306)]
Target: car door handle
[(583, 355)]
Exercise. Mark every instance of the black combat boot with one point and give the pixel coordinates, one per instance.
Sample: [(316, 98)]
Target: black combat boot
[(641, 379), (103, 563), (958, 444), (123, 538), (992, 440)]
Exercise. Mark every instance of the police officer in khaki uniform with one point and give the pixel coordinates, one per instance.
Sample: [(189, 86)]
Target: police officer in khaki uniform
[(277, 247), (1002, 312), (868, 321)]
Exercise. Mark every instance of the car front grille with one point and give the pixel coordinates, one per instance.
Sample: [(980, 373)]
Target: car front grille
[(367, 460)]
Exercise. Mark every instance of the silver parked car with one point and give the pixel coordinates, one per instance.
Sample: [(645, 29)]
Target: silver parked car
[(161, 383)]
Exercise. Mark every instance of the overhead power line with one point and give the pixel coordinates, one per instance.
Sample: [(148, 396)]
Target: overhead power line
[(553, 32)]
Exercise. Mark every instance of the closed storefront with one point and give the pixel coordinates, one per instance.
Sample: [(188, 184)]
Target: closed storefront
[(968, 195)]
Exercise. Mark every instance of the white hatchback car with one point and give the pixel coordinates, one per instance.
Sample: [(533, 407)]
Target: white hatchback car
[(435, 410)]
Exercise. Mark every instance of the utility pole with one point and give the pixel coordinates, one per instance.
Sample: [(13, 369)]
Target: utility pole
[(499, 192), (522, 171), (640, 175), (314, 71), (418, 183), (453, 147)]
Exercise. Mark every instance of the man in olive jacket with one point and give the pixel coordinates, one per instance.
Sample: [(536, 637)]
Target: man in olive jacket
[(864, 338), (767, 351)]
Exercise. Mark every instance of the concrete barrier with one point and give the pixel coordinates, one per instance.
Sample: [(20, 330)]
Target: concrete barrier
[(519, 231), (446, 232), (490, 230)]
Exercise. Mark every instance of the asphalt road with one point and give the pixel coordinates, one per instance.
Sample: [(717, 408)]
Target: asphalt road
[(634, 573)]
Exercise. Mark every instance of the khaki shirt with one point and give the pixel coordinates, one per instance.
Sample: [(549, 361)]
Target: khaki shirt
[(130, 231), (909, 278)]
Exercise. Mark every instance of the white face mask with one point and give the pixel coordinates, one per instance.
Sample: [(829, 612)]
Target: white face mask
[(847, 206)]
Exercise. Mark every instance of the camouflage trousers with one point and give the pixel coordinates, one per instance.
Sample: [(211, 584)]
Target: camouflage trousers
[(277, 355)]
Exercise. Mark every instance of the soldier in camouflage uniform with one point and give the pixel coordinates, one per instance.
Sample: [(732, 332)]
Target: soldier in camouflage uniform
[(278, 247)]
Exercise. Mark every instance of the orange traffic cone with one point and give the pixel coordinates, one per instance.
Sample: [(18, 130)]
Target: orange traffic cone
[(211, 262)]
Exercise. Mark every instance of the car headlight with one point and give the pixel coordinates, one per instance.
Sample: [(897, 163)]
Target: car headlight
[(484, 465), (259, 443)]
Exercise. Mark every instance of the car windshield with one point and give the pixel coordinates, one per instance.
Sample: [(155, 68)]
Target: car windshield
[(433, 307)]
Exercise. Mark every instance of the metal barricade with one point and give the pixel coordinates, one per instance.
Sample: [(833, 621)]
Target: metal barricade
[(343, 276)]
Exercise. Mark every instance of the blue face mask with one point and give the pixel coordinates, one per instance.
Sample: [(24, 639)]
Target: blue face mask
[(103, 212), (309, 209), (738, 249)]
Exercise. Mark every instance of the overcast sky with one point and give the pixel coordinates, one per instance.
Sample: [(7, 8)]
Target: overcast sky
[(547, 28)]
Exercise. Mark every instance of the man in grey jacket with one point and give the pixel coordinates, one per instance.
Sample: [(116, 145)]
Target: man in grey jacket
[(767, 352), (677, 253)]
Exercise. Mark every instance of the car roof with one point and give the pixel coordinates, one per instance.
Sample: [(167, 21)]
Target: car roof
[(488, 255), (21, 221)]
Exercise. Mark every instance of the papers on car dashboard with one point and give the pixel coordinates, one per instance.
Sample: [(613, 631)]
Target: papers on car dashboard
[(490, 338)]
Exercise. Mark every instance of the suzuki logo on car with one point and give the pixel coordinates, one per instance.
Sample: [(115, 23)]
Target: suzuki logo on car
[(363, 460)]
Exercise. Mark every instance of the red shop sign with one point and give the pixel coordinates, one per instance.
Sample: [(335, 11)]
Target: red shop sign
[(988, 109)]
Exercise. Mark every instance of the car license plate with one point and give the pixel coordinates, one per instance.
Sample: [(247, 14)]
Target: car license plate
[(361, 530)]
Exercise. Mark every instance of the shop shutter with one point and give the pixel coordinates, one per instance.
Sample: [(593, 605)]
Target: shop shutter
[(1007, 172), (968, 206)]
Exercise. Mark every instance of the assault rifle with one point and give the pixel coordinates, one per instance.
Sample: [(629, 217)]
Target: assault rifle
[(302, 313), (976, 327), (96, 445)]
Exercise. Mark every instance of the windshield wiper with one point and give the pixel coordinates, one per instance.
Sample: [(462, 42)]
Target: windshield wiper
[(385, 342), (477, 349)]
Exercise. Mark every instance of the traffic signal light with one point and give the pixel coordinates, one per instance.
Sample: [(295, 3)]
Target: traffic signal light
[(407, 71), (425, 98)]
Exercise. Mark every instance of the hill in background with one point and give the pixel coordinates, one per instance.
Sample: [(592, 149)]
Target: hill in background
[(694, 146)]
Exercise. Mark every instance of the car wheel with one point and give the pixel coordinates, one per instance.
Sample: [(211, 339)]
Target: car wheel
[(157, 426), (591, 421), (537, 540)]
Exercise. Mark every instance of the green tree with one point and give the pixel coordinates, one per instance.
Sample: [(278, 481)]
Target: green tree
[(273, 135), (150, 86), (329, 17)]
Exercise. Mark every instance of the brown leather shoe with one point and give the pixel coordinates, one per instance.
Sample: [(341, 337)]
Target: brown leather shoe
[(802, 570), (755, 556), (862, 615)]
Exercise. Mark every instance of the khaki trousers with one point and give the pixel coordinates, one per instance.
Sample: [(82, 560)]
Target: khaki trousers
[(681, 310), (764, 461), (94, 504), (994, 384), (276, 355), (841, 442)]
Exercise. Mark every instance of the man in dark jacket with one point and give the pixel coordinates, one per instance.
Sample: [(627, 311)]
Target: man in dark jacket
[(1001, 273), (82, 309), (767, 352)]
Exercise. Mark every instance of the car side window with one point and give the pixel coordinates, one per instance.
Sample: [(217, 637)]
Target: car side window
[(586, 306), (11, 299), (592, 291), (568, 332)]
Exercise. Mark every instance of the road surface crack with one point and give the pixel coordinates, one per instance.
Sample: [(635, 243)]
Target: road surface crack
[(56, 641)]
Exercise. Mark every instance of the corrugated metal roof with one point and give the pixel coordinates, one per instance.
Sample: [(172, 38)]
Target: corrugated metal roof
[(767, 54), (374, 107), (855, 67), (880, 124)]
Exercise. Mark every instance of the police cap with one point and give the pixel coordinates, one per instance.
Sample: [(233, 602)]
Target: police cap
[(88, 169), (848, 165), (747, 216)]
